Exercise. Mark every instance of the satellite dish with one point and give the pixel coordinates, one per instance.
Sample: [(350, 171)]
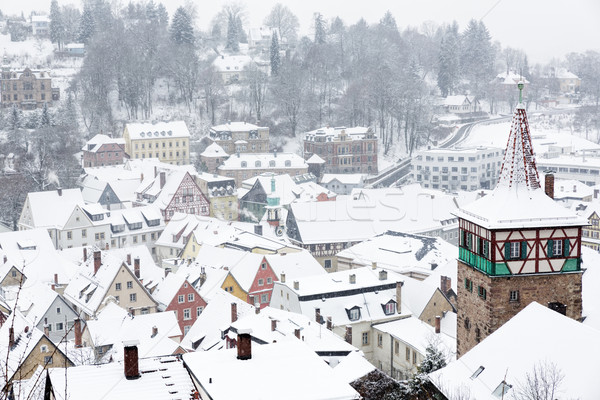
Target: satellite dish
[(279, 231)]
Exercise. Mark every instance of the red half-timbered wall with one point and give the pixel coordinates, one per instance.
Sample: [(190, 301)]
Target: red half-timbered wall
[(188, 199)]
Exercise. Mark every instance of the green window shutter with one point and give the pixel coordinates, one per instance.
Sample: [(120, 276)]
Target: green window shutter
[(550, 248), (523, 249), (466, 283), (507, 251), (469, 241), (484, 293), (566, 247)]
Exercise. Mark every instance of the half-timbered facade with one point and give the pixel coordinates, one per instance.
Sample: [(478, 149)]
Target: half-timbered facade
[(516, 246)]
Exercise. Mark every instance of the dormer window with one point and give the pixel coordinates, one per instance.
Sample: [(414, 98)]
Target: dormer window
[(288, 163), (257, 164), (353, 313), (272, 163), (389, 308), (244, 164)]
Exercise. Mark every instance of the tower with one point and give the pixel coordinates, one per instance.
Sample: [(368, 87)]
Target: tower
[(516, 245), (274, 209)]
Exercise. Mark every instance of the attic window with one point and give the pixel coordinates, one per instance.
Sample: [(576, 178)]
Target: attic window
[(389, 308), (353, 313), (477, 372)]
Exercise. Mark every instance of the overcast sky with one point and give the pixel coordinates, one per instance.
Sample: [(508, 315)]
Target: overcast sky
[(542, 28)]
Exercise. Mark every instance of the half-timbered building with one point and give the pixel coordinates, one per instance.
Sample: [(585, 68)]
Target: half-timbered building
[(516, 246)]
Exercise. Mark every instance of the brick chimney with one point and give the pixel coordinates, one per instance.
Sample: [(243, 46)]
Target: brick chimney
[(329, 323), (399, 297), (549, 185), (257, 308), (445, 284), (154, 331), (374, 265), (382, 275), (97, 261), (131, 361), (348, 336), (282, 278), (233, 312), (438, 324), (84, 254), (77, 329), (56, 279), (136, 267), (244, 344), (11, 336), (163, 178), (129, 259), (47, 329), (273, 325), (318, 315)]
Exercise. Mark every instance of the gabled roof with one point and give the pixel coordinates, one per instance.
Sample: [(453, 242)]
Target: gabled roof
[(457, 100), (94, 144), (61, 206), (168, 288), (214, 150), (527, 340), (346, 179), (264, 159), (235, 126), (315, 159), (295, 265), (518, 200), (159, 130)]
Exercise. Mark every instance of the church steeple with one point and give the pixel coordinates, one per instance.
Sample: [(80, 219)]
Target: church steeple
[(518, 168)]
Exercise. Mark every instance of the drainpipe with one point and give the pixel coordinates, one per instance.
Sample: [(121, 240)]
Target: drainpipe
[(392, 356)]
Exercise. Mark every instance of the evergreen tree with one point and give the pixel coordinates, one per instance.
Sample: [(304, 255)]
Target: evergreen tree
[(163, 15), (182, 31), (45, 119), (275, 60), (232, 34), (87, 26), (449, 61), (319, 28), (14, 119), (57, 28), (241, 33), (478, 56), (151, 12)]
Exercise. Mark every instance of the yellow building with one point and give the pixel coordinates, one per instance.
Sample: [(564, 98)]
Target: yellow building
[(167, 141), (221, 194)]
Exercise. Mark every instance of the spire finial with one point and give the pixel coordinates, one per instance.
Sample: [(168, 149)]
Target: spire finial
[(520, 85)]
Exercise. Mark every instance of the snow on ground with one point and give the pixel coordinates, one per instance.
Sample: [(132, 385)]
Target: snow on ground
[(35, 52)]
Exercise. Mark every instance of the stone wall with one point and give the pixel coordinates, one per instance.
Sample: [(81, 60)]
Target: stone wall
[(487, 315)]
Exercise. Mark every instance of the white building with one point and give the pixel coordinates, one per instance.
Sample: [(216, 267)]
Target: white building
[(342, 183), (457, 169)]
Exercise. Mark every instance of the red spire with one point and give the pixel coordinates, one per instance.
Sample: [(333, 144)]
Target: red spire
[(518, 168)]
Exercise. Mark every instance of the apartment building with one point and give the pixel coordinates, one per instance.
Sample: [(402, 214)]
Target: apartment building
[(167, 141), (26, 88), (241, 137)]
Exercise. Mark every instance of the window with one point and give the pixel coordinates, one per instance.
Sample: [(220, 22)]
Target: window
[(390, 308), (84, 233), (269, 280), (181, 298), (117, 286), (58, 310), (327, 263), (514, 295), (129, 284), (515, 250), (261, 282), (365, 338), (190, 297), (558, 248), (354, 314), (186, 329), (69, 235), (407, 354), (469, 284), (59, 326), (47, 360), (397, 347), (264, 298), (414, 353), (133, 297), (477, 334), (379, 340), (482, 292), (263, 266), (199, 311), (187, 314)]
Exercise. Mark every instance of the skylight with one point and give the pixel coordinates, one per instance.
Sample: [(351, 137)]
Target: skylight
[(477, 372)]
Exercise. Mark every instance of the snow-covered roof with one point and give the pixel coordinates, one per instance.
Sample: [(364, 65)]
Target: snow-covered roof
[(94, 144), (168, 288), (315, 159), (225, 63), (346, 179), (214, 150), (401, 252), (235, 126), (563, 73), (353, 367), (526, 341), (518, 200), (150, 131), (457, 100), (295, 265), (294, 371), (161, 378), (510, 78), (334, 133), (590, 261), (263, 161), (51, 209)]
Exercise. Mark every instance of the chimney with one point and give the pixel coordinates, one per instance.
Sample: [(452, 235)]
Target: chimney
[(282, 277), (445, 284), (296, 285), (97, 261), (233, 312), (318, 315), (155, 171), (136, 267), (549, 186), (257, 308), (154, 331), (329, 323), (382, 275), (163, 178), (5, 259), (77, 329), (84, 254), (128, 259), (141, 178), (11, 336), (273, 325), (59, 191), (438, 323), (244, 344), (399, 297), (258, 230), (374, 265), (167, 270), (352, 278), (56, 279), (348, 336), (131, 359), (297, 333), (47, 329)]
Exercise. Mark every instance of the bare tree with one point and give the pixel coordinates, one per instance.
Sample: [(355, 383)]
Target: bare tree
[(283, 19), (543, 383)]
